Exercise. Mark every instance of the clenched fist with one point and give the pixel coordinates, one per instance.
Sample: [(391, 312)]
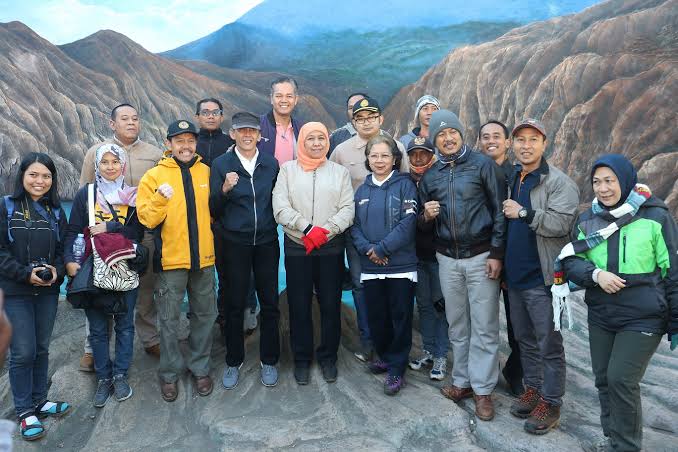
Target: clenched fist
[(431, 210), (166, 190), (229, 182)]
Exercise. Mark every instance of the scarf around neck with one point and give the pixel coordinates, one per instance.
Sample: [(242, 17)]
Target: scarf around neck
[(617, 219), (114, 192)]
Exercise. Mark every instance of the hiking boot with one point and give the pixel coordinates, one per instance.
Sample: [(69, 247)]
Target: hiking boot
[(377, 366), (203, 385), (329, 371), (103, 392), (269, 375), (393, 384), (543, 418), (87, 362), (231, 375), (153, 350), (526, 403), (121, 388), (455, 393), (484, 407), (439, 368), (302, 375), (425, 360), (169, 391)]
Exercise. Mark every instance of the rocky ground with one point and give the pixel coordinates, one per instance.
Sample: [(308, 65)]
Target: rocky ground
[(351, 414)]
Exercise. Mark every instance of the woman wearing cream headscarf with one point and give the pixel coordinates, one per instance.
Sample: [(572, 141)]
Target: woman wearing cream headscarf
[(313, 201)]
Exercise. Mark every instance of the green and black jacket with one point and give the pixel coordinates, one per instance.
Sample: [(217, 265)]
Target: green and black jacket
[(645, 254)]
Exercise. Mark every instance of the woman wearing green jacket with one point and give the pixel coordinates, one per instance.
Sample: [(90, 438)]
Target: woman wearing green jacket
[(624, 253)]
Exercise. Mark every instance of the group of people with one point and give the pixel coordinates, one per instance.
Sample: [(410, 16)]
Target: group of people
[(426, 218)]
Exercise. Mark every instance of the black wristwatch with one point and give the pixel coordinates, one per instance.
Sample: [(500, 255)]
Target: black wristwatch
[(522, 213)]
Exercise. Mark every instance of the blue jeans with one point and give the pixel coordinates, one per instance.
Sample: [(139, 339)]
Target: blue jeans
[(358, 295), (32, 318), (124, 338), (433, 324)]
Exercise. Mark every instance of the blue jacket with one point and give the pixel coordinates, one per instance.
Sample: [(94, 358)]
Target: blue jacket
[(386, 220), (245, 214), (268, 132)]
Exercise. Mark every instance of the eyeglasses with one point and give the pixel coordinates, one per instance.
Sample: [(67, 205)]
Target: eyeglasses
[(366, 119), (207, 113)]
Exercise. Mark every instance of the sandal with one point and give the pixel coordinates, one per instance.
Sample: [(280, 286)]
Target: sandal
[(58, 409), (30, 427)]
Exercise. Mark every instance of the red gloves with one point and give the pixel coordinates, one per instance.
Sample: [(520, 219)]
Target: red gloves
[(315, 238)]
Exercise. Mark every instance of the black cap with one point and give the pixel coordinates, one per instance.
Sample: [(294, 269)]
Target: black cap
[(420, 143), (179, 127), (243, 119), (366, 104)]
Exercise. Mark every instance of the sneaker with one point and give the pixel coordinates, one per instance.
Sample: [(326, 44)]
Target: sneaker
[(269, 375), (104, 389), (377, 366), (87, 363), (329, 371), (231, 375), (425, 360), (526, 403), (543, 418), (121, 388), (439, 368), (302, 375), (393, 384)]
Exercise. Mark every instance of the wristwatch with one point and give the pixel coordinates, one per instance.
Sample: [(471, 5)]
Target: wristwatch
[(522, 213)]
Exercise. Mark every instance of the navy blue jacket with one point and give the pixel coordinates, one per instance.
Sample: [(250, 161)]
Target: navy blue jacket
[(268, 132), (386, 220), (244, 215)]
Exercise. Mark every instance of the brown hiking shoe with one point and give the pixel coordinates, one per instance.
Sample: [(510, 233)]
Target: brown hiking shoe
[(203, 385), (87, 363), (526, 403), (169, 391), (456, 394), (484, 407), (543, 418)]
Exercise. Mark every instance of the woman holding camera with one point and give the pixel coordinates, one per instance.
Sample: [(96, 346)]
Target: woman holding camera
[(114, 211), (32, 224)]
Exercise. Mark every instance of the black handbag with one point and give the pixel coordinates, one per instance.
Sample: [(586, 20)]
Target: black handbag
[(82, 293)]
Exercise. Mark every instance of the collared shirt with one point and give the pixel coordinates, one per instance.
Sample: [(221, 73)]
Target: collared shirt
[(285, 143), (249, 165)]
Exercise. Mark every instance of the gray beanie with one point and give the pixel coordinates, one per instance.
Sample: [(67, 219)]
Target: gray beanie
[(443, 119), (423, 101)]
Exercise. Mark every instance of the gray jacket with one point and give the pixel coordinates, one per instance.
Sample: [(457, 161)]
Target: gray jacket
[(554, 209)]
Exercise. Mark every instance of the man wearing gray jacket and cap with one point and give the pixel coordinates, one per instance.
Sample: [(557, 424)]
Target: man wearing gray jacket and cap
[(462, 200)]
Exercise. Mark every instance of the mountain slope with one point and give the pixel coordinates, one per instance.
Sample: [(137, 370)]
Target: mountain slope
[(604, 80)]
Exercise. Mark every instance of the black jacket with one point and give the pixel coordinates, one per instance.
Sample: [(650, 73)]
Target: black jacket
[(42, 241), (245, 214), (471, 220), (644, 253), (212, 144), (79, 220)]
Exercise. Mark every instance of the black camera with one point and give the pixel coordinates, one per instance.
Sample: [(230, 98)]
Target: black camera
[(45, 274)]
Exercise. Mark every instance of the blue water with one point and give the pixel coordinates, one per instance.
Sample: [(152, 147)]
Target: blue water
[(346, 296)]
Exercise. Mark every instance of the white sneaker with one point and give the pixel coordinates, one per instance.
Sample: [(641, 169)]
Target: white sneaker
[(425, 360), (439, 368)]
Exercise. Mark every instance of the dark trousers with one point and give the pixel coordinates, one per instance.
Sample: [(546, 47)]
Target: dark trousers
[(325, 273), (32, 318), (619, 361), (222, 279), (513, 370), (390, 305), (241, 261), (124, 338), (541, 349)]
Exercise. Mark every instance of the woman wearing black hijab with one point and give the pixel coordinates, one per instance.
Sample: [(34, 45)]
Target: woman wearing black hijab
[(624, 253)]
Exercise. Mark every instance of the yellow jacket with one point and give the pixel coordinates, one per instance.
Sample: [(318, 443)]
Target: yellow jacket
[(181, 218)]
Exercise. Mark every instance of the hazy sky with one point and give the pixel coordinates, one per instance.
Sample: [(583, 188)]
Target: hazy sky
[(157, 25)]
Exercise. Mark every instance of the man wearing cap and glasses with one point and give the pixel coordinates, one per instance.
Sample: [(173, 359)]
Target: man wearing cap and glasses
[(125, 122), (241, 186), (346, 131), (541, 209), (367, 120), (173, 199)]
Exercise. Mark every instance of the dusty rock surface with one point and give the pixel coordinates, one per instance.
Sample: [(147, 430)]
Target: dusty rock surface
[(352, 414)]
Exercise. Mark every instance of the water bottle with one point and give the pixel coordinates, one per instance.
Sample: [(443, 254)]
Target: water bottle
[(79, 248)]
